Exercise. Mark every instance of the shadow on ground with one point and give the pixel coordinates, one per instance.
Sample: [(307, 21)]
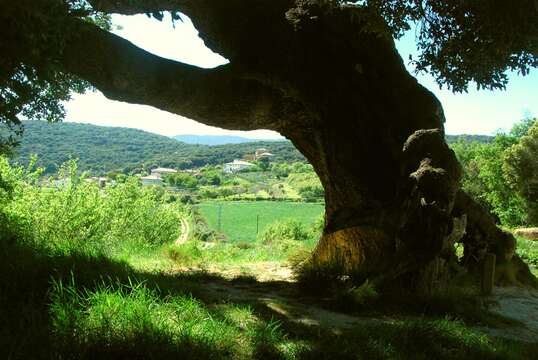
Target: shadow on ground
[(288, 325)]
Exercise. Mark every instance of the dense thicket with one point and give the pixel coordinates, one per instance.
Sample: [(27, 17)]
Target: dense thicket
[(520, 167), (489, 174)]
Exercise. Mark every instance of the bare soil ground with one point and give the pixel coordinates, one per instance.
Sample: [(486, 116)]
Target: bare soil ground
[(518, 304), (185, 230)]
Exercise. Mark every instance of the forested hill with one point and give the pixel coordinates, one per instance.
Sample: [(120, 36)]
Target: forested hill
[(215, 139), (469, 138), (102, 149)]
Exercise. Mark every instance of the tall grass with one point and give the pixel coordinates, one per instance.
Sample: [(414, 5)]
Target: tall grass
[(281, 241), (528, 251), (77, 216), (50, 229)]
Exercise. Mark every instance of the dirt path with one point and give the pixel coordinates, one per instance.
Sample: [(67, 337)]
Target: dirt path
[(515, 303), (185, 230), (518, 304), (284, 303)]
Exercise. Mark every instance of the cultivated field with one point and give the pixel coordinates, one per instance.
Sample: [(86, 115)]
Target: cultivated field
[(238, 218)]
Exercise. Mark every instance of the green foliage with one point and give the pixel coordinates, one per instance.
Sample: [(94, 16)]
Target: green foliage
[(284, 230), (520, 165), (133, 318), (528, 251), (72, 214), (32, 83), (238, 218), (182, 181), (311, 193), (485, 175), (465, 138), (80, 298), (104, 149), (307, 185), (461, 42), (264, 164)]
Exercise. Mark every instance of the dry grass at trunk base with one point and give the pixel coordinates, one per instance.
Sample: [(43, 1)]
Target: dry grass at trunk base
[(527, 233)]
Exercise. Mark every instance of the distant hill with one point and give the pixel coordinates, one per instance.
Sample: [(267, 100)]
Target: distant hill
[(102, 149), (450, 139), (215, 139)]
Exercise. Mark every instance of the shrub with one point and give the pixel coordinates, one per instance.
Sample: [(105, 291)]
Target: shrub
[(284, 230), (75, 215)]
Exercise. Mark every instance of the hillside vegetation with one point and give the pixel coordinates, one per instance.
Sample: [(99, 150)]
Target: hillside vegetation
[(215, 139), (102, 149)]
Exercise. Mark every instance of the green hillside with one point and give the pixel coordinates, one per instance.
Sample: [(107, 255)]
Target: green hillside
[(102, 149), (486, 139)]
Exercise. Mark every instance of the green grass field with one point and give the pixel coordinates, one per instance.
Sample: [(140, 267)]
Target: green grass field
[(238, 218)]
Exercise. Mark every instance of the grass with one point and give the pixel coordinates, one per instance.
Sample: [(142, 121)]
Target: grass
[(107, 310), (85, 307), (63, 296), (528, 250), (118, 320), (238, 218)]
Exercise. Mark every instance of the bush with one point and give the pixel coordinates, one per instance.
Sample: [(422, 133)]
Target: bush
[(311, 193), (284, 230), (484, 178), (521, 171), (72, 215)]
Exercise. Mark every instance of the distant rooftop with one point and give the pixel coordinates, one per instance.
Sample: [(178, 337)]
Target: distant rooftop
[(241, 162), (151, 177), (163, 170)]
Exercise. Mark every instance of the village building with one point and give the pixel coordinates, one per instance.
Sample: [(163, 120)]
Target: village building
[(100, 180), (153, 179), (262, 153), (236, 165), (162, 171)]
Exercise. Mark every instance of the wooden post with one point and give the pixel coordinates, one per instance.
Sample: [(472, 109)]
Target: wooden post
[(257, 223), (488, 274)]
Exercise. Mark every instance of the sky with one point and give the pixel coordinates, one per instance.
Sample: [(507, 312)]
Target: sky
[(475, 112)]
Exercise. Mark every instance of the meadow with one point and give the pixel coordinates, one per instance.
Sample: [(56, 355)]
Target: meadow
[(243, 221)]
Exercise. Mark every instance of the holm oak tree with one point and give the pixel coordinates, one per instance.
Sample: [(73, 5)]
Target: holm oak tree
[(325, 74)]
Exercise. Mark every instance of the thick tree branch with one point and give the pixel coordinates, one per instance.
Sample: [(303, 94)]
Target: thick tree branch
[(232, 27), (128, 7), (122, 71)]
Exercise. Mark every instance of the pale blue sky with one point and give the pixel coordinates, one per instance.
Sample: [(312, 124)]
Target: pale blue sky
[(475, 112)]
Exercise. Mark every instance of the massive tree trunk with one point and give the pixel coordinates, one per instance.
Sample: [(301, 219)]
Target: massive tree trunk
[(330, 80)]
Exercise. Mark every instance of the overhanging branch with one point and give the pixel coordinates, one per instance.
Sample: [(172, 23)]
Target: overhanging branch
[(220, 96)]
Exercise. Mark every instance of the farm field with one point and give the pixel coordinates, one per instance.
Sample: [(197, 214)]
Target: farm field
[(238, 218)]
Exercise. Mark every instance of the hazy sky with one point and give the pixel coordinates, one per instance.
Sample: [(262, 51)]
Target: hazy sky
[(475, 112)]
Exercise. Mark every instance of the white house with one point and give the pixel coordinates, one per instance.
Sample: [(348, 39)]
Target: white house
[(153, 179), (235, 166), (162, 171)]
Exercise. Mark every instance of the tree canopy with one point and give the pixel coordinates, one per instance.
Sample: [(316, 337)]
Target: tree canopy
[(521, 167)]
